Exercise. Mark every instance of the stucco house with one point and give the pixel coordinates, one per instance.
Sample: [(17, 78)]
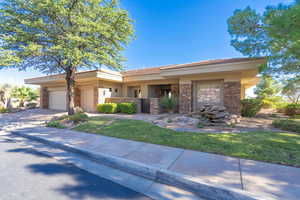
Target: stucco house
[(216, 82)]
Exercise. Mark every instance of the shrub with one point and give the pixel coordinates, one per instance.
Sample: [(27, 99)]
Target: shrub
[(128, 108), (200, 125), (78, 117), (168, 103), (250, 107), (287, 124), (107, 108), (292, 109), (280, 107), (55, 124), (3, 110), (31, 105)]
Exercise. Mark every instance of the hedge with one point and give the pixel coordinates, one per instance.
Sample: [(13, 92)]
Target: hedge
[(107, 108), (287, 124), (250, 107), (128, 108), (292, 109)]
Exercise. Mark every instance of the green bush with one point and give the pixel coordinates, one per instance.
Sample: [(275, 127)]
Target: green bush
[(250, 107), (287, 124), (292, 109), (55, 124), (78, 117), (169, 103), (128, 108), (3, 110), (280, 106), (107, 108), (31, 105)]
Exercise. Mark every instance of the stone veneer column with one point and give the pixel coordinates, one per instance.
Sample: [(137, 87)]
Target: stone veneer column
[(185, 97), (175, 89), (154, 106), (77, 97), (44, 98), (232, 97), (96, 97)]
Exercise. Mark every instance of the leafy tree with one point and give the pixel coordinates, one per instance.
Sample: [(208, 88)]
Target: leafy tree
[(5, 95), (24, 94), (292, 90), (57, 36), (267, 91), (274, 34)]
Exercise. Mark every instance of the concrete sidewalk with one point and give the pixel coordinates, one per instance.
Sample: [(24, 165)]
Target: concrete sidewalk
[(264, 179)]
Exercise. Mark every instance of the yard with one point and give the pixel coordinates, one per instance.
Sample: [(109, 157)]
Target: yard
[(275, 147)]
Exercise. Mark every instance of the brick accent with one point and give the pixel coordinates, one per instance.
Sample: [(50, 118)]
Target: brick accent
[(137, 101), (185, 98), (96, 97), (77, 97), (44, 98), (175, 89), (154, 106), (232, 97)]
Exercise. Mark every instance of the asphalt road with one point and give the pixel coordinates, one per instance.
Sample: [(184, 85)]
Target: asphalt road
[(28, 175)]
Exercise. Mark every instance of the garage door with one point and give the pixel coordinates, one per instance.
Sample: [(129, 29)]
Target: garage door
[(87, 99), (57, 100)]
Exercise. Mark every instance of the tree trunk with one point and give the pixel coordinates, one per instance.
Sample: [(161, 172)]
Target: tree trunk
[(70, 78)]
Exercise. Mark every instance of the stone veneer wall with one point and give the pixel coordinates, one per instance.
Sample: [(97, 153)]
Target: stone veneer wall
[(154, 106), (77, 97), (185, 97), (137, 101), (232, 97), (44, 98), (96, 97)]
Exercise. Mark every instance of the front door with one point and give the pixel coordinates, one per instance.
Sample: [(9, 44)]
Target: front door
[(207, 93)]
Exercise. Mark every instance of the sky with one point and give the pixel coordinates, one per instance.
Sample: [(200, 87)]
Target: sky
[(173, 32)]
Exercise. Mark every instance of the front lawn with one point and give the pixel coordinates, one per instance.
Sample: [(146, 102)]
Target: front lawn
[(283, 148)]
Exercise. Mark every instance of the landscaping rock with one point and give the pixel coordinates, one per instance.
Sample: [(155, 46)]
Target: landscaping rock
[(215, 115)]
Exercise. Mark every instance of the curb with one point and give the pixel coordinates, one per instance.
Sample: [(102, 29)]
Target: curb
[(202, 189)]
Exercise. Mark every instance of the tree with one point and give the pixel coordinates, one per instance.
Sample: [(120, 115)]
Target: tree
[(57, 36), (274, 34), (267, 91), (5, 95), (292, 90), (24, 94)]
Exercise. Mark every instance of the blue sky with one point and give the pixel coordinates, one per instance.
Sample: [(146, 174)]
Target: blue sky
[(173, 32)]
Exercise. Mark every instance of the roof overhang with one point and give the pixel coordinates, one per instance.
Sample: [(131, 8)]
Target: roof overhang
[(202, 69), (80, 77)]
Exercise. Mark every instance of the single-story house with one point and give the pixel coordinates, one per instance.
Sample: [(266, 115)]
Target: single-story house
[(214, 82)]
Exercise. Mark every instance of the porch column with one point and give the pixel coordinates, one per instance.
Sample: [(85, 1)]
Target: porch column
[(232, 97), (44, 98), (144, 90), (77, 97), (185, 96), (96, 97)]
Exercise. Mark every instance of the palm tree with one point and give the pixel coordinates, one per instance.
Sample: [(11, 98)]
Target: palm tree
[(24, 94)]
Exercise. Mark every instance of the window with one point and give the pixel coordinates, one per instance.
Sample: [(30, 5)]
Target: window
[(116, 90), (110, 89)]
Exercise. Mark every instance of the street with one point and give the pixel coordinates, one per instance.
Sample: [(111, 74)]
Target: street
[(26, 174)]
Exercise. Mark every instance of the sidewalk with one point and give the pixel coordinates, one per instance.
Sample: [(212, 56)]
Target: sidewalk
[(264, 179)]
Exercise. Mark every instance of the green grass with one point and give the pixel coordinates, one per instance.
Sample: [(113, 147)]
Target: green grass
[(283, 148)]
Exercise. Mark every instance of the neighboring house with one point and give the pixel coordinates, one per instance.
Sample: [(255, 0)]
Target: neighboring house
[(214, 82)]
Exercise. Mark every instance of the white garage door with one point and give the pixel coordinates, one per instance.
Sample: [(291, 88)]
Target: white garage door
[(57, 100), (87, 99)]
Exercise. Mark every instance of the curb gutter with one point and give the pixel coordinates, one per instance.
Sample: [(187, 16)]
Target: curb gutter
[(202, 189)]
